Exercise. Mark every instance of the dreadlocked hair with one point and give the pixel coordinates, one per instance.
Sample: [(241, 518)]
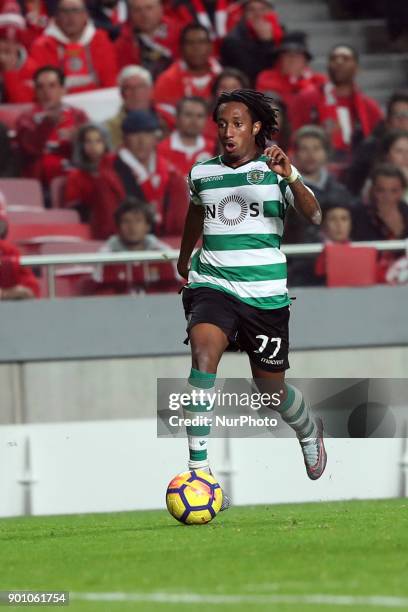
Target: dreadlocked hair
[(260, 108)]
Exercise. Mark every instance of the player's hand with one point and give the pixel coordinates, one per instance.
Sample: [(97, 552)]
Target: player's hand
[(182, 269), (278, 161)]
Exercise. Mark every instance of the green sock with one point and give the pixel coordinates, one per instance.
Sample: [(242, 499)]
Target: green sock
[(296, 413), (198, 434)]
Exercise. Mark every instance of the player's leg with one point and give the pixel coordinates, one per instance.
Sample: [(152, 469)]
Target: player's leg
[(264, 335)]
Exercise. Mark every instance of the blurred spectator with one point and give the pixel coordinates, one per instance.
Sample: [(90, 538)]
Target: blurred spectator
[(16, 282), (150, 38), (228, 80), (108, 15), (136, 88), (311, 152), (291, 73), (93, 187), (339, 106), (386, 215), (37, 15), (71, 42), (252, 43), (187, 144), (394, 149), (134, 221), (148, 175), (9, 160), (369, 150), (397, 22), (45, 133), (16, 68), (193, 74), (336, 228)]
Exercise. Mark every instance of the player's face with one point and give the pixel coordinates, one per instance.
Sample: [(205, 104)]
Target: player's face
[(141, 144), (136, 93), (398, 117), (342, 66), (310, 155), (192, 119), (398, 153), (337, 225), (236, 131), (387, 191), (94, 146), (133, 228)]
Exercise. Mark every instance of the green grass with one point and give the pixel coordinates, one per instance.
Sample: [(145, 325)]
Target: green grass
[(343, 548)]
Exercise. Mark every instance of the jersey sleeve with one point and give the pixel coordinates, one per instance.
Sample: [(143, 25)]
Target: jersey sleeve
[(194, 197), (287, 195)]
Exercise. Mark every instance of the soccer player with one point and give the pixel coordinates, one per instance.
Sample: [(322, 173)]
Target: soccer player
[(236, 291)]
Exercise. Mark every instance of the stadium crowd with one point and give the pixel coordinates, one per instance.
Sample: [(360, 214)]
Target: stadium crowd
[(126, 179)]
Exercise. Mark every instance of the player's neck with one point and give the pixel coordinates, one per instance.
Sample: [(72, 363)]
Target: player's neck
[(244, 159)]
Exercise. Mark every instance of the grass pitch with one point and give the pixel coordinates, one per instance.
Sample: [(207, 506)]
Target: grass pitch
[(325, 557)]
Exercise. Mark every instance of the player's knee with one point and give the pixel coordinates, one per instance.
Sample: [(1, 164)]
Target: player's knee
[(204, 359)]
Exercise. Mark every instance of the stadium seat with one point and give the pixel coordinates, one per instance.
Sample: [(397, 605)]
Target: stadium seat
[(72, 280), (9, 114), (350, 266), (22, 192), (57, 191), (30, 237), (44, 217)]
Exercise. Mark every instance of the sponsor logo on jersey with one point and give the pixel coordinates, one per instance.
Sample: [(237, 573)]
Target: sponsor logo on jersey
[(255, 176), (206, 179), (232, 210)]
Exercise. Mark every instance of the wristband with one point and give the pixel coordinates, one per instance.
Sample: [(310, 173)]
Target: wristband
[(294, 175)]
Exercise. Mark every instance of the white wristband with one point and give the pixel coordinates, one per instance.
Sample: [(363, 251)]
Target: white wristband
[(293, 176)]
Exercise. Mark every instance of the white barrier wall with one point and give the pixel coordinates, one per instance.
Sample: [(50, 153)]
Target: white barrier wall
[(120, 465)]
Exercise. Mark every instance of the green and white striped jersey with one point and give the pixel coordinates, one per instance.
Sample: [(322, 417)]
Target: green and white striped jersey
[(244, 214)]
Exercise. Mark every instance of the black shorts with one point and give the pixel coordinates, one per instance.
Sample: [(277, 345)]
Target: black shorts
[(262, 334)]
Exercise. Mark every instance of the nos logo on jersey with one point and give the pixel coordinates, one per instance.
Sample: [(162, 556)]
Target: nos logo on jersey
[(232, 210), (255, 176)]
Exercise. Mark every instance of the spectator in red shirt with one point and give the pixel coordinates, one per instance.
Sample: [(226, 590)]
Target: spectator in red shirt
[(347, 114), (150, 176), (16, 68), (193, 74), (291, 74), (187, 144), (45, 134), (17, 282), (93, 187), (71, 42), (134, 220), (37, 15), (150, 38), (109, 15)]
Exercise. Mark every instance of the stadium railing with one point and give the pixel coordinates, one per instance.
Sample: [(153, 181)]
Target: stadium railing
[(295, 250)]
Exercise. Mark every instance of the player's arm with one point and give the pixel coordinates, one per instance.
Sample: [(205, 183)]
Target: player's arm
[(193, 228), (303, 199)]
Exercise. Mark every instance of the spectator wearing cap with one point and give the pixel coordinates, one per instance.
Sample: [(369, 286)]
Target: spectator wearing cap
[(108, 15), (345, 112), (71, 42), (311, 153), (45, 134), (136, 89), (16, 282), (93, 187), (369, 151), (134, 220), (193, 74), (16, 68), (149, 38), (251, 45), (291, 72), (188, 145), (336, 228), (147, 174)]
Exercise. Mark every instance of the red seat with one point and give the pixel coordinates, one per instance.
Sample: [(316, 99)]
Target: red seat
[(73, 279), (350, 266), (22, 192), (45, 217), (9, 114), (30, 237)]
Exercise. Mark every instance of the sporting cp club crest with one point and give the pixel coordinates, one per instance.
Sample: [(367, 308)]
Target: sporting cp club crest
[(255, 176)]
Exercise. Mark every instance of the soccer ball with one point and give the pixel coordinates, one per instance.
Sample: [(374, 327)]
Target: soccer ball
[(194, 498)]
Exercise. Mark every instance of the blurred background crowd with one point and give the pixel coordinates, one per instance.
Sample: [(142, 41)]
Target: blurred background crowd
[(69, 182)]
